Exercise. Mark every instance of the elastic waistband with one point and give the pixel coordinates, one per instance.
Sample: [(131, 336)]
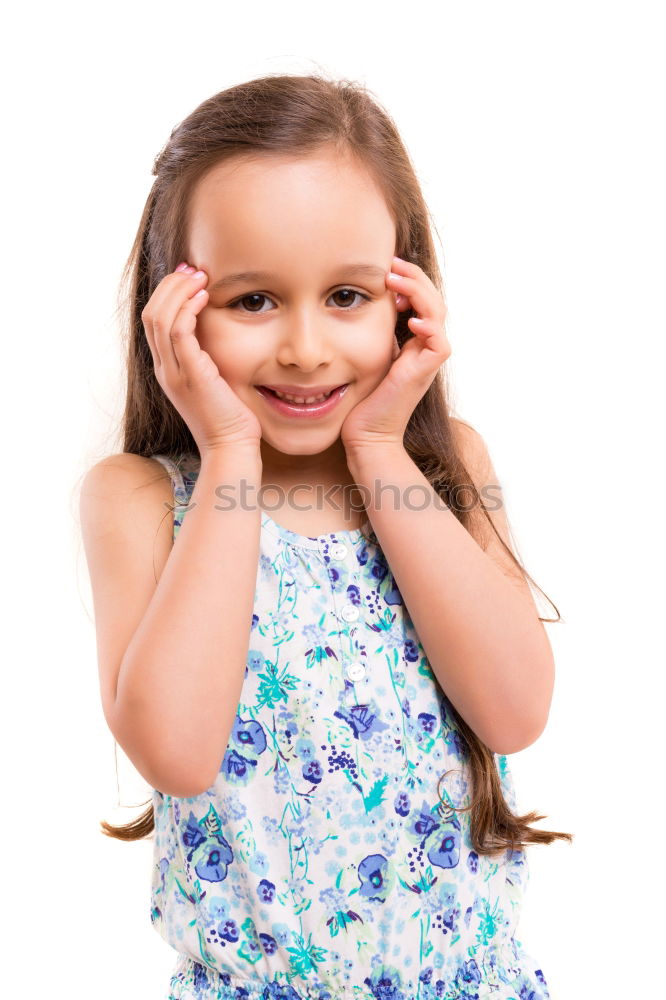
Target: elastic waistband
[(495, 972)]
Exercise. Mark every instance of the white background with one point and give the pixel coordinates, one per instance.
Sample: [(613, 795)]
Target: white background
[(538, 134)]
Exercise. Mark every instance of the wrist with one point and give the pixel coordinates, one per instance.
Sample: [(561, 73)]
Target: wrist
[(375, 456), (233, 454)]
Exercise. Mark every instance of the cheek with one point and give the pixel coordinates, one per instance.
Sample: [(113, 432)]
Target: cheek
[(380, 343), (207, 330), (375, 365), (212, 339)]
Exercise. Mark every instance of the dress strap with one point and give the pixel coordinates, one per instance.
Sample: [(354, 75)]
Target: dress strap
[(181, 491)]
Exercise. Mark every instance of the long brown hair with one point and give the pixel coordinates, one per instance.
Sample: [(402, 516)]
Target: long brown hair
[(297, 115)]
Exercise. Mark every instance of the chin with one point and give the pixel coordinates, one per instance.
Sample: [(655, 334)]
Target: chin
[(309, 444)]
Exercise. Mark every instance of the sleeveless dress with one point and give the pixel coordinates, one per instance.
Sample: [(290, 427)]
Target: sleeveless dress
[(322, 863)]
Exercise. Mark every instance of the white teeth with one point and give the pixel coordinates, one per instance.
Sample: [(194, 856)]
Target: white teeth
[(301, 399)]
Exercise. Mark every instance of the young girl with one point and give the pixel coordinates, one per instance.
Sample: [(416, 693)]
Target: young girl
[(321, 661)]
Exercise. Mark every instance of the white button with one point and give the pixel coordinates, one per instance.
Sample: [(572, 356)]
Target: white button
[(338, 551), (350, 613), (355, 671)]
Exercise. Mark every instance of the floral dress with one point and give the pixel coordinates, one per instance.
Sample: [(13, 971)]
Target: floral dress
[(322, 863)]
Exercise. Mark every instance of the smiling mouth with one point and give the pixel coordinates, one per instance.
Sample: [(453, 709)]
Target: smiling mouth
[(297, 400), (315, 409)]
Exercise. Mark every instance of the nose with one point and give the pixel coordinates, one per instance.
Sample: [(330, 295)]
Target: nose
[(304, 342)]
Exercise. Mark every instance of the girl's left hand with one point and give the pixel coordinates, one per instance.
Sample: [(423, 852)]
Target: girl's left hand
[(382, 417)]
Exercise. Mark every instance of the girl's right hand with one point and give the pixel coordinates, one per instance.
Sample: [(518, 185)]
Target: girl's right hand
[(189, 377)]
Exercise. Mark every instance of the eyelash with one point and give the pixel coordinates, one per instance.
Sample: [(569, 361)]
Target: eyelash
[(248, 295)]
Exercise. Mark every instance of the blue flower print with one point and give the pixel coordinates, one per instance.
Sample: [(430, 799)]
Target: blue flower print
[(192, 836), (266, 891), (337, 816), (215, 909), (423, 822), (362, 720), (164, 868), (282, 934), (427, 723), (213, 859), (425, 975), (446, 853), (201, 981), (363, 554), (236, 768), (378, 568), (268, 944), (386, 984), (411, 651), (402, 805), (259, 863), (230, 931), (317, 640), (469, 973), (372, 872), (457, 744), (255, 660), (304, 748), (280, 991), (392, 595), (313, 772), (250, 737)]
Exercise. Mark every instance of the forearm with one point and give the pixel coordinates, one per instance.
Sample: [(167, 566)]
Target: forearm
[(181, 677), (484, 641)]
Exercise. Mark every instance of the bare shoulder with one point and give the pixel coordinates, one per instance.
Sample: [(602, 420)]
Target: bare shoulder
[(126, 495), (126, 472), (472, 447), (125, 484), (127, 527), (476, 457)]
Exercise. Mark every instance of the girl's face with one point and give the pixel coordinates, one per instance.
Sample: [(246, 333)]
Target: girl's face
[(309, 319)]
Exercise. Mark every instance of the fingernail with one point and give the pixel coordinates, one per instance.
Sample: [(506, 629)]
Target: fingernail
[(182, 266)]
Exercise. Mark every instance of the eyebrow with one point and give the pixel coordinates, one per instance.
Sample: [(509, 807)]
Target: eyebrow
[(363, 270)]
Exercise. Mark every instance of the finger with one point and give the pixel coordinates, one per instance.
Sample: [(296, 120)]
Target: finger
[(426, 301), (431, 335), (175, 294), (400, 266), (409, 270), (155, 313), (150, 337), (183, 343), (162, 309)]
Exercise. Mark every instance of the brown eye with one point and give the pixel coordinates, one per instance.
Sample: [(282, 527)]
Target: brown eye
[(351, 291), (246, 301), (248, 298)]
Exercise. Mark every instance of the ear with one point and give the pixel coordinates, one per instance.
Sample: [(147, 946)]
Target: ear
[(396, 348)]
